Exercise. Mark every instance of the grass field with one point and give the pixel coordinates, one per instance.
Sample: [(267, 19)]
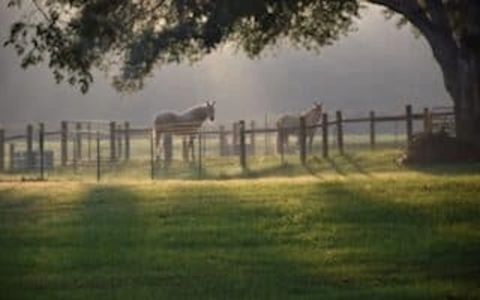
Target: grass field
[(360, 162), (351, 228), (214, 166)]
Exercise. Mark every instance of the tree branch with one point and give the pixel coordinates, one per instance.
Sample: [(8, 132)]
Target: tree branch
[(440, 37), (40, 9), (403, 7)]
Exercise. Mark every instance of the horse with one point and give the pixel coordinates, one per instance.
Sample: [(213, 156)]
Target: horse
[(290, 124), (186, 123)]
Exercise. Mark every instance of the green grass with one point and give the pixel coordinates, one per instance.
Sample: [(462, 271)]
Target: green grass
[(214, 166), (378, 234), (362, 162)]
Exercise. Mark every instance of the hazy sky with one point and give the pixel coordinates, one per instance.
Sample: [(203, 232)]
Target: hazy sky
[(378, 67)]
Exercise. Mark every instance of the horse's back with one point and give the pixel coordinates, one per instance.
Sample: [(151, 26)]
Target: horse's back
[(288, 121), (166, 117), (176, 123)]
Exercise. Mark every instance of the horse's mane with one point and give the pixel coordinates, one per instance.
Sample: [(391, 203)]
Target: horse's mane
[(191, 109)]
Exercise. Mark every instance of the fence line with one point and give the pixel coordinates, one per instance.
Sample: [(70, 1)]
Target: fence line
[(239, 140)]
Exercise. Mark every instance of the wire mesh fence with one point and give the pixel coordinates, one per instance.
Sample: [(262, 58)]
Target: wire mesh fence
[(99, 150)]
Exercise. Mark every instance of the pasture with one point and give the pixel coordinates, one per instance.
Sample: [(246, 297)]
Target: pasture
[(353, 228), (108, 149)]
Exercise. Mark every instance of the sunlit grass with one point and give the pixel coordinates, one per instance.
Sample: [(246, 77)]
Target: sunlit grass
[(214, 166), (398, 235)]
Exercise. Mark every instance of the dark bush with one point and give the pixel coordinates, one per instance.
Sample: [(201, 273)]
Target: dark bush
[(439, 147)]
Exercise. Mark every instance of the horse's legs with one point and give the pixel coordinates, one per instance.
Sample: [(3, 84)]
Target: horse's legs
[(157, 145), (167, 148), (286, 138), (311, 135), (279, 141), (192, 146), (185, 149)]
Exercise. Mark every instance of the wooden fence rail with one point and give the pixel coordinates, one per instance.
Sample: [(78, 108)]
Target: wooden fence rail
[(238, 140)]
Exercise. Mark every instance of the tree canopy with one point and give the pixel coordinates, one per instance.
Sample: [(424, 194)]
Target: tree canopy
[(132, 37)]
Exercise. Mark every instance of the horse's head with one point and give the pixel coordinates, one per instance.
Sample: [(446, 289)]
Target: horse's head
[(314, 114), (317, 111), (318, 107), (211, 110)]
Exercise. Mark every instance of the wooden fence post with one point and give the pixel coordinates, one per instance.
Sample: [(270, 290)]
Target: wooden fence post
[(409, 118), (2, 149), (204, 145), (281, 144), (113, 150), (266, 136), (12, 157), (74, 154), (191, 145), (99, 172), (41, 145), (427, 120), (64, 143), (120, 134), (127, 140), (252, 138), (200, 147), (222, 141), (152, 154), (235, 134), (185, 149), (89, 141), (325, 135), (79, 141), (167, 149), (372, 130), (29, 146), (243, 154), (303, 141), (340, 132)]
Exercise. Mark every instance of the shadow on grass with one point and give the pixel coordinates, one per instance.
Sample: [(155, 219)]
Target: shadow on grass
[(336, 167), (328, 240), (356, 163), (416, 238), (24, 240), (453, 169), (286, 170)]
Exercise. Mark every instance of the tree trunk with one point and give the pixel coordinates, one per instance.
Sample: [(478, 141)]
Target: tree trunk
[(457, 50), (466, 98)]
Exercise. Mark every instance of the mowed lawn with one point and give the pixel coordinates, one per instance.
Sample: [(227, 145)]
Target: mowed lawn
[(408, 235)]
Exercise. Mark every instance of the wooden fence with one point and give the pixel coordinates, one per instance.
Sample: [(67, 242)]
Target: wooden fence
[(243, 138)]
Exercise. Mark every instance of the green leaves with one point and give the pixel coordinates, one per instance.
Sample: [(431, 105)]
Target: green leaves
[(77, 36)]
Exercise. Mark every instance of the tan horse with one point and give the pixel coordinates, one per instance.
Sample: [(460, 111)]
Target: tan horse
[(290, 125), (186, 123)]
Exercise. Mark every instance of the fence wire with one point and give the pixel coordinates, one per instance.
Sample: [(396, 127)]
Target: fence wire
[(94, 150)]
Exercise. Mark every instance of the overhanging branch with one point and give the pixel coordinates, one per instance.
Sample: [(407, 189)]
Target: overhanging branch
[(40, 9), (439, 37)]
